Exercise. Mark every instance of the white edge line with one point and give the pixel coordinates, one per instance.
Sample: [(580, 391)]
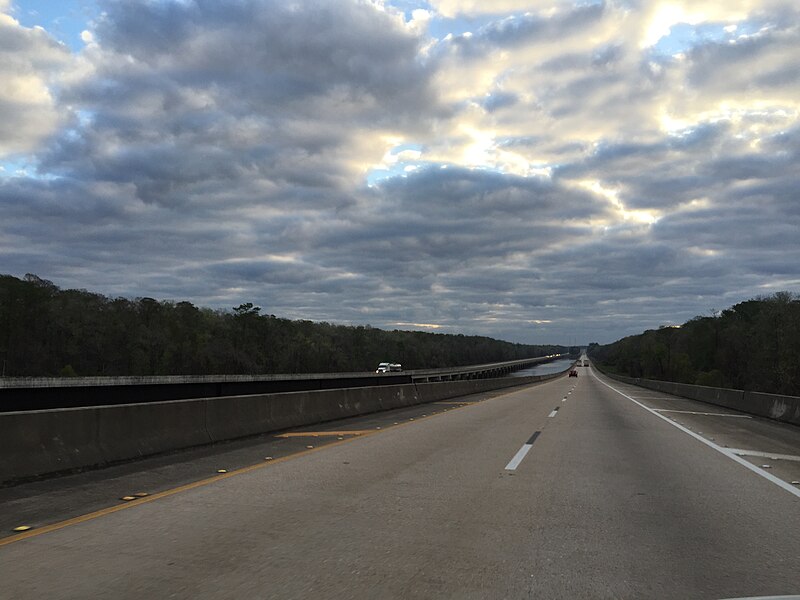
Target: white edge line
[(724, 451), (514, 462)]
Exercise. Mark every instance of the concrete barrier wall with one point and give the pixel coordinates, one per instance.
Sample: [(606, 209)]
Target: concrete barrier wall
[(240, 416), (35, 443), (771, 406), (39, 442), (135, 430), (444, 390), (781, 408)]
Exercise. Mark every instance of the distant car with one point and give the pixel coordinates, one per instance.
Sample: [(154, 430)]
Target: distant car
[(573, 373), (389, 368)]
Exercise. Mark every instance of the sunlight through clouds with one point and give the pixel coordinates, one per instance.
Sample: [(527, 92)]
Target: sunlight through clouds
[(612, 196), (449, 164)]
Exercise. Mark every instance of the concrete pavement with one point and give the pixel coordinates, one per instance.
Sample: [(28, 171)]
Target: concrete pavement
[(610, 501)]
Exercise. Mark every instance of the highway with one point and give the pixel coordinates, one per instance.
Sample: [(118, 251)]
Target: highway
[(573, 488)]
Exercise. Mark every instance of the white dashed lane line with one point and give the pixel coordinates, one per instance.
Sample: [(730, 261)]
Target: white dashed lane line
[(526, 447), (522, 452)]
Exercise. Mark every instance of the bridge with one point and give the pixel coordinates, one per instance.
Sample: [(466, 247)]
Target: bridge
[(556, 487), (40, 393)]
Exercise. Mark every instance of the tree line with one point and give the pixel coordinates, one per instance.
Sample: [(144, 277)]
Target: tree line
[(47, 331), (754, 345)]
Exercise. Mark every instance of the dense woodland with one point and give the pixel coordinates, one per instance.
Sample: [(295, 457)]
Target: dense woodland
[(46, 331), (754, 346)]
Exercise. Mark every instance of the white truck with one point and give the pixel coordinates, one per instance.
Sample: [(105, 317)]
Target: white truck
[(389, 368)]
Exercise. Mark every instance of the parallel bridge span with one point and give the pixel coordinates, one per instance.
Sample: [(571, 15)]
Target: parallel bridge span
[(43, 393)]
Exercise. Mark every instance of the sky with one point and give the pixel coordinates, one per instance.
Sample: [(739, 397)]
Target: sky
[(548, 171)]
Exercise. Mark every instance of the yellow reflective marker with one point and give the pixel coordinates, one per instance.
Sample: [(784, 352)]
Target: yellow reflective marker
[(22, 528), (309, 447), (128, 498), (222, 470), (141, 494), (267, 458)]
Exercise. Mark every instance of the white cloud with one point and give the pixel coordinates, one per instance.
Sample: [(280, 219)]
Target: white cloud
[(454, 8), (30, 61)]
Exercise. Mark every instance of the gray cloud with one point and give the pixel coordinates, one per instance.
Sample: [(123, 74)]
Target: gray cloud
[(218, 151), (192, 98)]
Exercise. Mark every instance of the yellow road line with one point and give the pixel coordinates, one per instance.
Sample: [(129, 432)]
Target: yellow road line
[(292, 434), (170, 492), (203, 482)]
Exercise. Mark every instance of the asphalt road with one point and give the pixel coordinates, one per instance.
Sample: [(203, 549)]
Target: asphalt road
[(619, 493)]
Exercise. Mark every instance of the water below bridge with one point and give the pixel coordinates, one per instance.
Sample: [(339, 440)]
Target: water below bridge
[(556, 366)]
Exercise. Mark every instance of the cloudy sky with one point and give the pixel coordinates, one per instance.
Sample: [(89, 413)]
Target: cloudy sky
[(537, 171)]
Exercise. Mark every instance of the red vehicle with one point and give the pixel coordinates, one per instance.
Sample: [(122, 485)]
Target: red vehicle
[(573, 373)]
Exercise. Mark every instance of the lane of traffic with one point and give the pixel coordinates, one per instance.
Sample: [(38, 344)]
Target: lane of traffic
[(631, 507)]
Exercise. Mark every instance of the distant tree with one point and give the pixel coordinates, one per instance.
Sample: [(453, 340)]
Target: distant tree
[(754, 345), (46, 331), (247, 309)]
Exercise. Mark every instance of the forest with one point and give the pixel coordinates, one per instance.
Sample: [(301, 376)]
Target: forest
[(49, 332), (754, 345)]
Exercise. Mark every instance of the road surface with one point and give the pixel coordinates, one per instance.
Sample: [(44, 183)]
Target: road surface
[(574, 488)]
